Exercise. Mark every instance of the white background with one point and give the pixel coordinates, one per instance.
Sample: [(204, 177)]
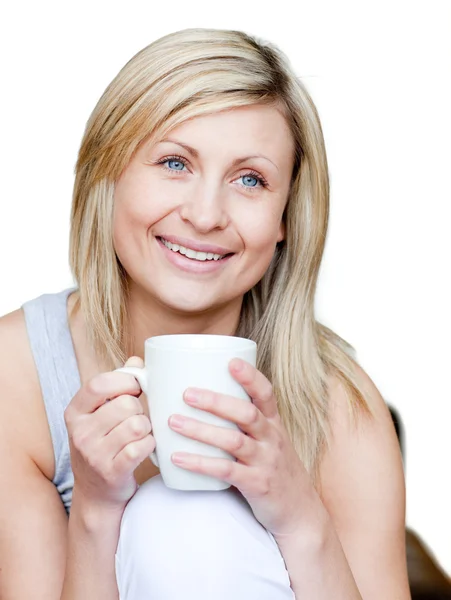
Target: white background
[(380, 76)]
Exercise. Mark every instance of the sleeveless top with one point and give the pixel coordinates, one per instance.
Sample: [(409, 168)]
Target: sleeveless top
[(51, 344)]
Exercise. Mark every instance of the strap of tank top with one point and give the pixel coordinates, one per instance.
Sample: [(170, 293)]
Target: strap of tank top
[(53, 351)]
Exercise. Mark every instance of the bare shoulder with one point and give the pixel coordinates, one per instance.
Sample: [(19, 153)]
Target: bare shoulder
[(22, 412), (363, 488), (356, 443)]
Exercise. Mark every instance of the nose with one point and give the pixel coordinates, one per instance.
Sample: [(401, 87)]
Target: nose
[(205, 208)]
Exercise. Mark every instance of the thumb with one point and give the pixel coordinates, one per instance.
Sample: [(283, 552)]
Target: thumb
[(134, 361)]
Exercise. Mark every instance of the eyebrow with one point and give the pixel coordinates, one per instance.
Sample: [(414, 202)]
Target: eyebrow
[(195, 153)]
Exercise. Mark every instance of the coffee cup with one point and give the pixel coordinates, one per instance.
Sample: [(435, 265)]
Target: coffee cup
[(173, 363)]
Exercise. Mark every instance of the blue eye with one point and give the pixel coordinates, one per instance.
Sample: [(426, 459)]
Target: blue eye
[(175, 165), (249, 181), (253, 181)]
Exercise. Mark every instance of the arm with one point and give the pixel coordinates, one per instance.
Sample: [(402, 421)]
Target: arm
[(33, 521), (34, 541), (35, 533), (356, 549), (315, 560), (33, 526), (93, 535)]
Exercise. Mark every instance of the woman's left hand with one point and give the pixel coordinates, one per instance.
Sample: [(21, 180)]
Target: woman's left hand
[(268, 471)]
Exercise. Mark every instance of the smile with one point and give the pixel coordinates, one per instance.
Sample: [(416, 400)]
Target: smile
[(190, 253), (201, 262)]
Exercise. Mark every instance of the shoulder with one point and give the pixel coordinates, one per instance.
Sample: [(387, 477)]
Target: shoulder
[(362, 486), (11, 324), (377, 417), (23, 420), (361, 441), (15, 354)]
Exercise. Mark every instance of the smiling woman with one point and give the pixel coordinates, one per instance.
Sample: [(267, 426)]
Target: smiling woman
[(206, 202), (200, 205)]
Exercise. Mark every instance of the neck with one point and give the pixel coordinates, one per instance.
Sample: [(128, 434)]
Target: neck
[(148, 318)]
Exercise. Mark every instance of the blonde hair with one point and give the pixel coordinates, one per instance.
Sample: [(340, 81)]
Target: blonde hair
[(181, 76)]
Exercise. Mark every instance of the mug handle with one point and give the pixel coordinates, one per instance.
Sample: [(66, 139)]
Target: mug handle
[(141, 376)]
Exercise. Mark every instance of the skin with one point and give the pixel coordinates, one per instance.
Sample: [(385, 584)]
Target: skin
[(330, 536), (209, 202)]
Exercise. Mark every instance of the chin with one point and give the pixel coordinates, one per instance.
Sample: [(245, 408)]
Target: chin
[(189, 304)]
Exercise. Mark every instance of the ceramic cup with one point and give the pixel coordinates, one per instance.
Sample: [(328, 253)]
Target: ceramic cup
[(174, 363)]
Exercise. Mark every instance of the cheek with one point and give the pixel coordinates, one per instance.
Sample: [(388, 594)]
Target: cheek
[(130, 219), (123, 225), (260, 244), (131, 199), (136, 206), (263, 232)]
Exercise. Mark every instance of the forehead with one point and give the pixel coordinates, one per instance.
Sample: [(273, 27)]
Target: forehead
[(252, 128)]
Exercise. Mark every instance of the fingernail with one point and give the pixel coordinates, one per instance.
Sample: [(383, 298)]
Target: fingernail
[(237, 364), (192, 397), (134, 361), (176, 421), (179, 457)]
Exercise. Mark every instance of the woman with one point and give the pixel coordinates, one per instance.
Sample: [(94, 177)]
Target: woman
[(200, 206)]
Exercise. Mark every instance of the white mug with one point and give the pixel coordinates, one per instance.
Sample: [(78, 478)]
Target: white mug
[(173, 363)]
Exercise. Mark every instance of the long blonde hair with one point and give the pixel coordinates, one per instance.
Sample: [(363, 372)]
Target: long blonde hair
[(181, 76)]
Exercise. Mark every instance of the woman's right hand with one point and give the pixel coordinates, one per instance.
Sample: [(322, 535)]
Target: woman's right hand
[(109, 436)]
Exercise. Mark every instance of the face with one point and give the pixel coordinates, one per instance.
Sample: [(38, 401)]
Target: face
[(198, 214)]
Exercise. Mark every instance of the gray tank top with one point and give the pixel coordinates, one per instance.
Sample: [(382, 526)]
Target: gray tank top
[(53, 351)]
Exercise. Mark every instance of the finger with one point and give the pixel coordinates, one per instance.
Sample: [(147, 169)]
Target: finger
[(132, 429), (231, 440), (238, 475), (256, 385), (134, 361), (243, 413), (101, 388), (112, 413), (133, 454)]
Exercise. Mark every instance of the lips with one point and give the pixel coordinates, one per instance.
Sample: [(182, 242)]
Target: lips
[(193, 250), (190, 253), (197, 246), (193, 261)]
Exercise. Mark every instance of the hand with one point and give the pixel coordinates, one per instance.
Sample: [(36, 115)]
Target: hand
[(109, 436), (268, 471)]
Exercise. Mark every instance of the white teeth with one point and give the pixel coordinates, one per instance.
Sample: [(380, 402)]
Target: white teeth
[(191, 253)]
